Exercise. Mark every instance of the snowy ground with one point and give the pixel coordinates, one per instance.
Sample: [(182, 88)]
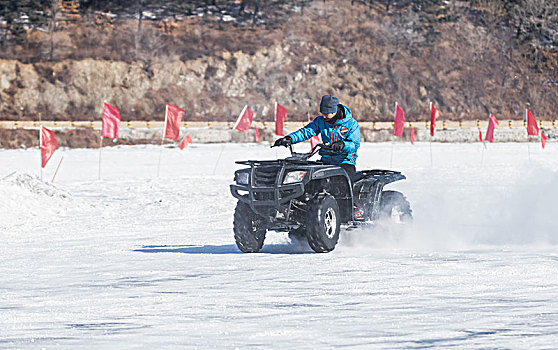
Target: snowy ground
[(139, 261)]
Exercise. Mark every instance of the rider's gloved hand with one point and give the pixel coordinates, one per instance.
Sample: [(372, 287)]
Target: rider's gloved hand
[(337, 146), (283, 141)]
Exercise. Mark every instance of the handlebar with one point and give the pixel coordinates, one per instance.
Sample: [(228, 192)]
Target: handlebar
[(315, 149), (326, 146)]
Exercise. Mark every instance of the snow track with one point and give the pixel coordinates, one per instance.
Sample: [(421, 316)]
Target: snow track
[(135, 261)]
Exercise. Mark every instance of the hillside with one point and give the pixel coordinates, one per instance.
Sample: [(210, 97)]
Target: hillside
[(470, 57)]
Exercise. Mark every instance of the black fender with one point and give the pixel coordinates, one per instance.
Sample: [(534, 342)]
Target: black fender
[(368, 189), (343, 194), (329, 171)]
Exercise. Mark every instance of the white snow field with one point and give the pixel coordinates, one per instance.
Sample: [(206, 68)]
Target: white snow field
[(140, 261)]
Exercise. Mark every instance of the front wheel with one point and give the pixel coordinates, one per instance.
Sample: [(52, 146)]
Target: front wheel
[(249, 229), (323, 223)]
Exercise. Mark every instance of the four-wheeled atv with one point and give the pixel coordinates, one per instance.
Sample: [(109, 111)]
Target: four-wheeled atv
[(309, 199)]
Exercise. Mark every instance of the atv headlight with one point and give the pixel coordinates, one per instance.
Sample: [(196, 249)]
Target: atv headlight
[(294, 176), (243, 178)]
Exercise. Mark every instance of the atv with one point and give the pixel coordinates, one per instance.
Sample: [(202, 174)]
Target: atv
[(310, 200)]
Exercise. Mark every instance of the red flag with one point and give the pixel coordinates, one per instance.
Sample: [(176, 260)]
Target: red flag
[(185, 141), (434, 115), (412, 136), (480, 135), (244, 119), (492, 124), (280, 117), (314, 140), (257, 134), (532, 127), (399, 121), (111, 121), (48, 145), (173, 118), (543, 139)]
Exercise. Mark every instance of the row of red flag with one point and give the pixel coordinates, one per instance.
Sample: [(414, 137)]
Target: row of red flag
[(110, 126), (246, 117), (399, 125), (173, 118)]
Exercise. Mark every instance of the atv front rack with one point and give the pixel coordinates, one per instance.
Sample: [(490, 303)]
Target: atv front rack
[(265, 187), (279, 162)]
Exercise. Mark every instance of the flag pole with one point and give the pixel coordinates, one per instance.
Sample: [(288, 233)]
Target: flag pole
[(100, 148), (528, 139), (275, 120), (256, 131), (391, 157), (240, 115), (218, 158), (101, 135), (40, 151), (101, 140), (431, 137), (162, 139), (275, 116), (484, 143), (40, 144), (431, 161), (482, 154), (58, 167), (392, 139)]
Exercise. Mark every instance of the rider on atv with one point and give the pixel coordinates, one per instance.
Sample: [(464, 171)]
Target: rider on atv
[(312, 199), (338, 128)]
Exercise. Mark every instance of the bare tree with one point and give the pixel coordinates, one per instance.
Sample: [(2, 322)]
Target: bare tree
[(52, 25), (537, 24)]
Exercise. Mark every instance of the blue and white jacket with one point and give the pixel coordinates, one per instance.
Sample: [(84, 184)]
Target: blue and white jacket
[(345, 129)]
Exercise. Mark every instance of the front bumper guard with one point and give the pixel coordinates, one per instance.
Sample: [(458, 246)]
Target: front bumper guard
[(277, 197)]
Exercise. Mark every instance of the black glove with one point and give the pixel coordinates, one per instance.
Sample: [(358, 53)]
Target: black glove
[(337, 146), (283, 141)]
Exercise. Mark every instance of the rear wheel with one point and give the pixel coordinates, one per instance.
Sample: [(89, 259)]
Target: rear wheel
[(323, 223), (249, 229), (394, 207)]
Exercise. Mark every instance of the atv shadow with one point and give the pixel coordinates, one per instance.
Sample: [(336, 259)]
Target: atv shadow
[(294, 248)]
